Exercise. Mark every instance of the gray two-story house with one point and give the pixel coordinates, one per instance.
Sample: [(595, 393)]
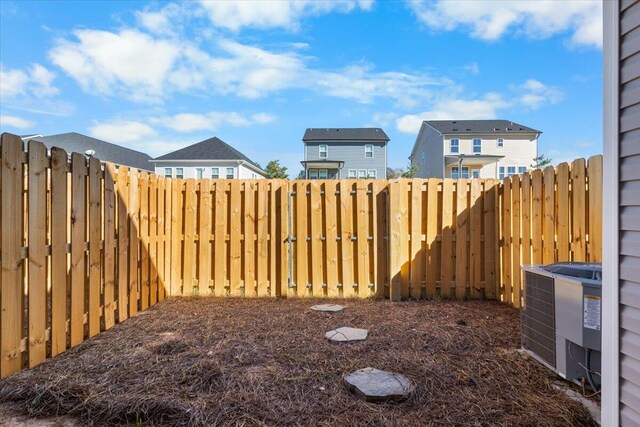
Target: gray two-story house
[(335, 153)]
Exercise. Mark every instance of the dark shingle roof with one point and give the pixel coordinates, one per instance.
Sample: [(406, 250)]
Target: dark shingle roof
[(74, 142), (345, 134), (478, 126), (209, 149)]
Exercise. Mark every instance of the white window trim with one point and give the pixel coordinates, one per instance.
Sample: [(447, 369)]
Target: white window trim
[(451, 145), (362, 175), (313, 174), (460, 174), (475, 171), (365, 151), (170, 172), (373, 175), (320, 173), (500, 144), (217, 174), (326, 151), (473, 145), (503, 172), (201, 171), (233, 173), (180, 169), (353, 173)]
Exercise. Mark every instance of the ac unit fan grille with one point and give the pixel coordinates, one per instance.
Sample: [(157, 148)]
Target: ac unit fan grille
[(538, 317)]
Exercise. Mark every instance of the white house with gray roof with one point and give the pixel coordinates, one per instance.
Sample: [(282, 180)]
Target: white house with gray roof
[(473, 149), (335, 153), (212, 158)]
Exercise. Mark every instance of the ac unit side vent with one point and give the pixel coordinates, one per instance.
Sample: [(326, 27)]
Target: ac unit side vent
[(538, 317)]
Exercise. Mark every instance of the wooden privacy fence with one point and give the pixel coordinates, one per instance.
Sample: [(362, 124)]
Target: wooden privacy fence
[(85, 245)]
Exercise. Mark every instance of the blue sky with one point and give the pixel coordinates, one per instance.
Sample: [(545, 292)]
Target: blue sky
[(156, 76)]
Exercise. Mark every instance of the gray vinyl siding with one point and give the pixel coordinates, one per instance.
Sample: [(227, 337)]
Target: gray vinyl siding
[(429, 142), (629, 213), (352, 154)]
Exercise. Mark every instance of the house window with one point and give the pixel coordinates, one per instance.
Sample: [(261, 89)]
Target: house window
[(199, 173), (455, 145), (500, 142), (179, 173), (323, 151), (456, 175), (215, 173), (254, 176), (368, 151), (501, 172), (477, 145), (475, 174), (168, 172), (353, 173), (313, 173), (362, 173), (229, 173), (511, 170), (522, 169), (372, 173), (322, 174)]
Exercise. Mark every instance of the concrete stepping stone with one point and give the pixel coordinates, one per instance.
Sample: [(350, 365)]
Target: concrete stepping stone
[(374, 385), (346, 334), (332, 308)]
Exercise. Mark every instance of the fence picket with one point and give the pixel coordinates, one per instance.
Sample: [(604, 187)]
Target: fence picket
[(595, 209), (416, 257), (95, 230), (109, 252)]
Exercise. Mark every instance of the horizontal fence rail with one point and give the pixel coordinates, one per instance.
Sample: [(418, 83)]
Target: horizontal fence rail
[(85, 244)]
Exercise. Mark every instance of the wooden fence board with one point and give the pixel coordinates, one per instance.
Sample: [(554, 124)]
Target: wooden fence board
[(78, 232), (431, 259), (537, 215), (525, 206), (262, 260), (346, 232), (476, 232), (165, 289), (302, 273), (235, 242), (448, 228), (12, 239), (59, 216), (381, 231), (176, 240), (331, 234), (190, 212), (563, 212), (507, 254), (462, 234), (37, 226), (549, 230), (516, 261), (416, 257), (580, 210), (250, 216), (95, 231), (134, 241), (145, 285), (220, 244), (491, 238), (205, 208), (109, 252), (362, 236), (595, 209), (153, 239), (123, 243), (316, 256), (283, 237)]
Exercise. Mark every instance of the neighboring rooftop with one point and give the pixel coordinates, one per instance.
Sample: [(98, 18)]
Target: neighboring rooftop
[(345, 134), (478, 126), (74, 142), (209, 149)]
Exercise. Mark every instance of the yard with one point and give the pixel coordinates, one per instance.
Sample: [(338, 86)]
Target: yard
[(231, 361)]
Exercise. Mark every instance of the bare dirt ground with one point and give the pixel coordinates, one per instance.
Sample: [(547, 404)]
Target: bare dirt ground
[(207, 361)]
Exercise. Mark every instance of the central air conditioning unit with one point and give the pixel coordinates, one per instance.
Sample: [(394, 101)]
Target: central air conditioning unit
[(561, 319)]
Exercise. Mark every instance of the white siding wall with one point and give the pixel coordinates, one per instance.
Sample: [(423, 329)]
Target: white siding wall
[(518, 150), (190, 169)]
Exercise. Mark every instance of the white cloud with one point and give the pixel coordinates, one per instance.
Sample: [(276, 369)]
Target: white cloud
[(534, 93), (15, 122), (234, 15), (451, 109), (492, 19), (34, 81), (130, 61), (147, 68), (190, 122), (122, 131), (164, 21)]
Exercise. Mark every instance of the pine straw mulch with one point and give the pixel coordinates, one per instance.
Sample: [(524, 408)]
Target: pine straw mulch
[(266, 362)]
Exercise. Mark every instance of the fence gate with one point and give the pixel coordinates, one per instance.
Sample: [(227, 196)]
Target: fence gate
[(338, 238)]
